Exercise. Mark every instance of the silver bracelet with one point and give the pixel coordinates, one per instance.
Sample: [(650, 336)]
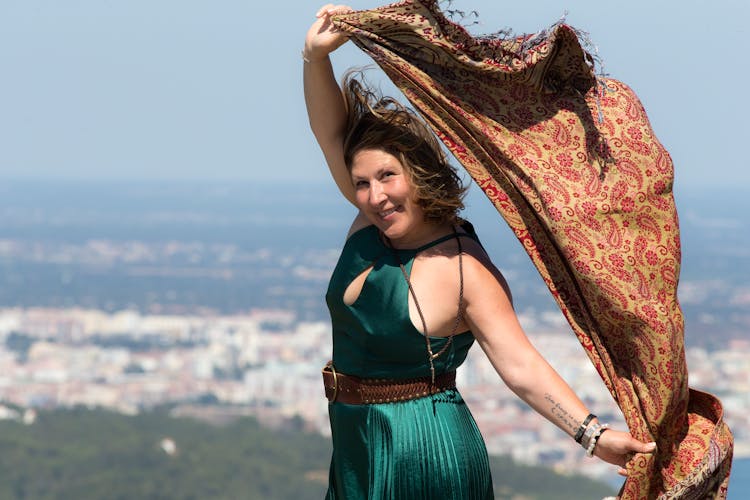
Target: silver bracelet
[(582, 427), (595, 439), (590, 430)]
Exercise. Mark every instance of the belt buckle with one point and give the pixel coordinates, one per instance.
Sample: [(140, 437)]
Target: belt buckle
[(335, 387)]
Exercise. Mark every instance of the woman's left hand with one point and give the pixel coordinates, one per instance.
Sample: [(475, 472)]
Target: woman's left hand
[(616, 447)]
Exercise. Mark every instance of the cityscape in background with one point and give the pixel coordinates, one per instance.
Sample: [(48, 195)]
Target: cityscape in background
[(207, 297)]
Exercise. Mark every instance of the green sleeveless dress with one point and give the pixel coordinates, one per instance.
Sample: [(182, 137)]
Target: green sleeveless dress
[(425, 448)]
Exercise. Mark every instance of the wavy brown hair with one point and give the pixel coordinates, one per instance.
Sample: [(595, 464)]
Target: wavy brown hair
[(382, 123)]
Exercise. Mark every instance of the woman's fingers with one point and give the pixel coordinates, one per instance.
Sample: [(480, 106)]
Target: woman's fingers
[(645, 447), (332, 10), (323, 37), (626, 443), (616, 447), (323, 9), (635, 446)]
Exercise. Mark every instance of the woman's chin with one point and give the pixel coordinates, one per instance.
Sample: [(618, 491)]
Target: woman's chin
[(398, 238), (393, 231), (388, 227)]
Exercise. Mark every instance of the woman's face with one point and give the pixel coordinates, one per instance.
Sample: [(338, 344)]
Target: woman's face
[(385, 195)]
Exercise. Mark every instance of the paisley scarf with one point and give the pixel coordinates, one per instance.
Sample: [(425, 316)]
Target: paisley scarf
[(571, 163)]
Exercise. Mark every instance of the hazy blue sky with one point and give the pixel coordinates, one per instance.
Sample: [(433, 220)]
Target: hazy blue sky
[(168, 89)]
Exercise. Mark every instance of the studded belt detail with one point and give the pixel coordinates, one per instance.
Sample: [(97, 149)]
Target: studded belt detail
[(349, 389)]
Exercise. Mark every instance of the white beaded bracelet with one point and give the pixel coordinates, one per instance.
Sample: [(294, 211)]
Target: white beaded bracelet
[(595, 439), (590, 430)]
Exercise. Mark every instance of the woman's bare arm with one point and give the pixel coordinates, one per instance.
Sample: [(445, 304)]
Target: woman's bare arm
[(493, 321), (326, 108)]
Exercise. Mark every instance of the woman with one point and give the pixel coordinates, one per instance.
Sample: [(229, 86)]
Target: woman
[(412, 290)]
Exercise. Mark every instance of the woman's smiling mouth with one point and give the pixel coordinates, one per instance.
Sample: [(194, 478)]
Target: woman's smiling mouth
[(388, 212)]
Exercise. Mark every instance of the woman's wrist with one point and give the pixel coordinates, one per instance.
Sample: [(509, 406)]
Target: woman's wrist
[(309, 57), (594, 439), (582, 428)]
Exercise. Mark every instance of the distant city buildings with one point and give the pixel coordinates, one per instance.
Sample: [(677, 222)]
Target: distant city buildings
[(267, 363)]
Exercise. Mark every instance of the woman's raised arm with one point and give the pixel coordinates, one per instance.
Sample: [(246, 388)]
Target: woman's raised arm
[(326, 108)]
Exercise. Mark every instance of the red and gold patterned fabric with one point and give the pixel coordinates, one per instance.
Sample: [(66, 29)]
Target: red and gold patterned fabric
[(572, 164)]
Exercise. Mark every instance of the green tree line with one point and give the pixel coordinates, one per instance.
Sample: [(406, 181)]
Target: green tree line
[(86, 454)]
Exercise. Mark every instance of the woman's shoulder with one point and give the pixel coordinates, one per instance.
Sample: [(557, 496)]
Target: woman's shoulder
[(363, 241), (360, 226), (478, 268), (480, 273)]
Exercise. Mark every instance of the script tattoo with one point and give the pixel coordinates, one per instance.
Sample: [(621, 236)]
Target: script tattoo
[(561, 414)]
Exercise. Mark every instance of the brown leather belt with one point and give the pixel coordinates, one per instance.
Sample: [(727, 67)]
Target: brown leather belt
[(353, 390)]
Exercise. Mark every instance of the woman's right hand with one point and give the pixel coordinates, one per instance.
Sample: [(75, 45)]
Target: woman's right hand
[(323, 37)]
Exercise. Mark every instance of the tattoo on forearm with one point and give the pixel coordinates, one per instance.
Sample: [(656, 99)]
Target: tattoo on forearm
[(561, 414)]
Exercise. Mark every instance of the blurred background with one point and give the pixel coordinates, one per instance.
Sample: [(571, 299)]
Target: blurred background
[(167, 230)]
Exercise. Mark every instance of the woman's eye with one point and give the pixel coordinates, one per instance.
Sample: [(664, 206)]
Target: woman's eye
[(360, 184)]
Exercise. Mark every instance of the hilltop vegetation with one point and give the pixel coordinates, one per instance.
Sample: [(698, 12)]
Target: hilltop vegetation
[(95, 454)]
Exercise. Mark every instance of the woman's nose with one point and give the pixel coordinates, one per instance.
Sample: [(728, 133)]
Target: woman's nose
[(377, 195)]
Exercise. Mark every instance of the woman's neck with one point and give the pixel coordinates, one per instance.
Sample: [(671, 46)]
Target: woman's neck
[(428, 233)]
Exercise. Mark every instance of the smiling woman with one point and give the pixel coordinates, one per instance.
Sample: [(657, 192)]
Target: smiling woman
[(571, 162), (385, 198), (385, 125), (411, 292)]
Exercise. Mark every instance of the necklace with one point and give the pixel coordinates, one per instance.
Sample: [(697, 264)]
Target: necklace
[(430, 355)]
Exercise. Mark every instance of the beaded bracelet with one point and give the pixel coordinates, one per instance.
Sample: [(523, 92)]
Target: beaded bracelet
[(590, 431), (595, 439), (582, 428)]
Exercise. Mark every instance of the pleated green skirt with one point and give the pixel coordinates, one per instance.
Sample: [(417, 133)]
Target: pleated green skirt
[(426, 448)]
